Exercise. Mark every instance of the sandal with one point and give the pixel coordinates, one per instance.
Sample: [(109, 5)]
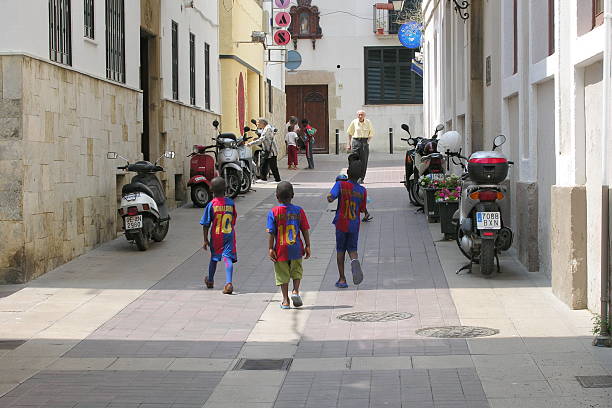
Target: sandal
[(367, 218), (285, 307), (341, 285), (296, 299)]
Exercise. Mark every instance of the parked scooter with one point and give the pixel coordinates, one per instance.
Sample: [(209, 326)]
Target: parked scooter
[(481, 225), (143, 209), (249, 169), (424, 160), (228, 161), (201, 172)]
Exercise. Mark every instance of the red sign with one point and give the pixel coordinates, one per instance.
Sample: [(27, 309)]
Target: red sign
[(282, 19), (282, 37)]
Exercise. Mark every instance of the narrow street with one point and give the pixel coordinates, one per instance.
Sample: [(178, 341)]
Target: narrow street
[(121, 328)]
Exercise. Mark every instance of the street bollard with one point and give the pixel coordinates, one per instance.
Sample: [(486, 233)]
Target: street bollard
[(337, 141), (390, 140)]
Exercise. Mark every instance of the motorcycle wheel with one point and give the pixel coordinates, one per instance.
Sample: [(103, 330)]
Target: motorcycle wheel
[(200, 196), (418, 194), (233, 183), (161, 231), (459, 236), (143, 236), (487, 256), (246, 183)]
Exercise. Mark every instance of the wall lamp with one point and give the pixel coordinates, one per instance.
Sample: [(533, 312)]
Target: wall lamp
[(461, 8)]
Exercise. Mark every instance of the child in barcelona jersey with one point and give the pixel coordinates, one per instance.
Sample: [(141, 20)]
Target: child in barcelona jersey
[(285, 223), (352, 198), (220, 218)]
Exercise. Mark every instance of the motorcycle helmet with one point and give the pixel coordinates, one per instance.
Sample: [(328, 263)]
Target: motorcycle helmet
[(449, 142)]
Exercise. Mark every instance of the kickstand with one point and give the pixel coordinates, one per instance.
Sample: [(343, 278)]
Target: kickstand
[(467, 267), (498, 267)]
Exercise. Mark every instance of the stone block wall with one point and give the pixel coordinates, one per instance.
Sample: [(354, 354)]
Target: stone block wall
[(63, 197), (182, 127), (278, 118)]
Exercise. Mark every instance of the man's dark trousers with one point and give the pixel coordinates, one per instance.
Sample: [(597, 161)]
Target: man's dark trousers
[(362, 148)]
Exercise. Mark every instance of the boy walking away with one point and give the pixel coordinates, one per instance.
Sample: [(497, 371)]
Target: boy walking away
[(343, 177), (220, 218), (292, 148), (352, 199), (286, 249)]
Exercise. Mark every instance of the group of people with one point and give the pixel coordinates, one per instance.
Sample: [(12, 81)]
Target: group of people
[(288, 233), (297, 137)]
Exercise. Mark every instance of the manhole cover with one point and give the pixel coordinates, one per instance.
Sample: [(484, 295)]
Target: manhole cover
[(456, 332), (10, 344), (263, 364), (595, 381), (374, 316)]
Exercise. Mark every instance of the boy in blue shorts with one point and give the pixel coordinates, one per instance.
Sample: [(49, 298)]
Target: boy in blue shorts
[(352, 198), (367, 217), (220, 218)]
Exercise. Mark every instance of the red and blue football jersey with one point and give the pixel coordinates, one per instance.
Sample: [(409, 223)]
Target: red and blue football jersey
[(352, 199), (220, 215), (285, 222)]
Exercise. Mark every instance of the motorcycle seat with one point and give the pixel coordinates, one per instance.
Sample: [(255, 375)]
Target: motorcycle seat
[(227, 136), (136, 187), (144, 167)]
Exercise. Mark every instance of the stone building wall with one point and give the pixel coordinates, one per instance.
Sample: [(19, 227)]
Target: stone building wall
[(182, 127), (278, 118), (62, 199)]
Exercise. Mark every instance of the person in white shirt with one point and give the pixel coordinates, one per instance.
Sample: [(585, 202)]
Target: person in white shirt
[(360, 132), (269, 150), (292, 149)]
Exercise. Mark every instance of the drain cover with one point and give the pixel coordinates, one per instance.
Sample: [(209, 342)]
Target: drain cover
[(263, 364), (595, 381), (10, 344), (374, 316), (456, 332)]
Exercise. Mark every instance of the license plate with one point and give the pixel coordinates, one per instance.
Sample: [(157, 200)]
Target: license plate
[(133, 222), (488, 220), (131, 197), (436, 176)]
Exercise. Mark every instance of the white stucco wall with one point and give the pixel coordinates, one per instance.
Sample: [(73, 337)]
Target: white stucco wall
[(203, 21), (25, 29), (347, 28)]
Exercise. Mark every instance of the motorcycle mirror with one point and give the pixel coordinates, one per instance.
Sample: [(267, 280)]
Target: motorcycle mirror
[(111, 155), (440, 127), (215, 123), (169, 155), (498, 141), (247, 129), (406, 127), (253, 121)]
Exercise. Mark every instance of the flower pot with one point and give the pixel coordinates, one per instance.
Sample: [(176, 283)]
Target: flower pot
[(431, 207), (380, 30), (446, 210)]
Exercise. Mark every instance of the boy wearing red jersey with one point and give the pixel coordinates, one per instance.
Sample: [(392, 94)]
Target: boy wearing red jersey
[(286, 249)]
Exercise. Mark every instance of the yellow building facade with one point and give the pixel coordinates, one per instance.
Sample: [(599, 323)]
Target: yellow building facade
[(242, 64)]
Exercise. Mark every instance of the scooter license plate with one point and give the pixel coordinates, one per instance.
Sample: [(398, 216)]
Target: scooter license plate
[(133, 222), (488, 220), (436, 176)]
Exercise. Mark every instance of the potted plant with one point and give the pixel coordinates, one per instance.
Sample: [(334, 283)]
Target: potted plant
[(447, 198), (430, 187)]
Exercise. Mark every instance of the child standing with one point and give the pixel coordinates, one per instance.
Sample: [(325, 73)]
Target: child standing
[(285, 222), (292, 149), (220, 218), (352, 199)]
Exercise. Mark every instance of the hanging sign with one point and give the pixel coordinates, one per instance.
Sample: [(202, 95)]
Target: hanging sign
[(282, 37), (282, 4), (282, 19), (410, 35), (294, 60)]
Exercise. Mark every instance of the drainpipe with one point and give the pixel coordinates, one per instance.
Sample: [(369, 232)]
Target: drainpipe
[(603, 339)]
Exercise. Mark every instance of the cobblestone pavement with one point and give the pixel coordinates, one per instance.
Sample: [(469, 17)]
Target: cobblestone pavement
[(107, 330)]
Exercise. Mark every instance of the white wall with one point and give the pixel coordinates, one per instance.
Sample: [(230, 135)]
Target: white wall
[(25, 29), (203, 21), (343, 42)]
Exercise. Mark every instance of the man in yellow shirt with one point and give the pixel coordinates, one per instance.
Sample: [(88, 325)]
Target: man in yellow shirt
[(359, 132)]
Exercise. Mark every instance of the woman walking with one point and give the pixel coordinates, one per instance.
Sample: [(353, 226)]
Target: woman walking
[(309, 140)]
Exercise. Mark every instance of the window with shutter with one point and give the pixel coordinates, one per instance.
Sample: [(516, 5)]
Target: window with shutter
[(388, 77), (175, 77), (60, 32), (115, 40), (192, 69)]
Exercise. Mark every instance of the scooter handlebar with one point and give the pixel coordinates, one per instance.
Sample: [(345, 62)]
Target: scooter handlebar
[(122, 168)]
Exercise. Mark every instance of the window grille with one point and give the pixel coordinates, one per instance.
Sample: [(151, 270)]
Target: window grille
[(115, 40), (88, 18), (192, 76), (60, 32), (175, 78), (207, 75)]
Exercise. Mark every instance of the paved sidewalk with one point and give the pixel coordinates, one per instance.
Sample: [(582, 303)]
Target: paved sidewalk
[(119, 328)]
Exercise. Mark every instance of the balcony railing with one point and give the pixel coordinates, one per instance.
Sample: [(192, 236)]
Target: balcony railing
[(385, 19)]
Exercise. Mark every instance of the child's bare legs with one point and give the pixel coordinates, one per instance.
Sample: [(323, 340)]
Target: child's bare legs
[(340, 258), (296, 286), (285, 291)]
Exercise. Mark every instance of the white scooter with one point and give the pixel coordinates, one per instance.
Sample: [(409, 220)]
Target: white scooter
[(143, 209), (228, 161)]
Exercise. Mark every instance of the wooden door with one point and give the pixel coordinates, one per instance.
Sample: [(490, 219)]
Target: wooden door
[(310, 102)]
